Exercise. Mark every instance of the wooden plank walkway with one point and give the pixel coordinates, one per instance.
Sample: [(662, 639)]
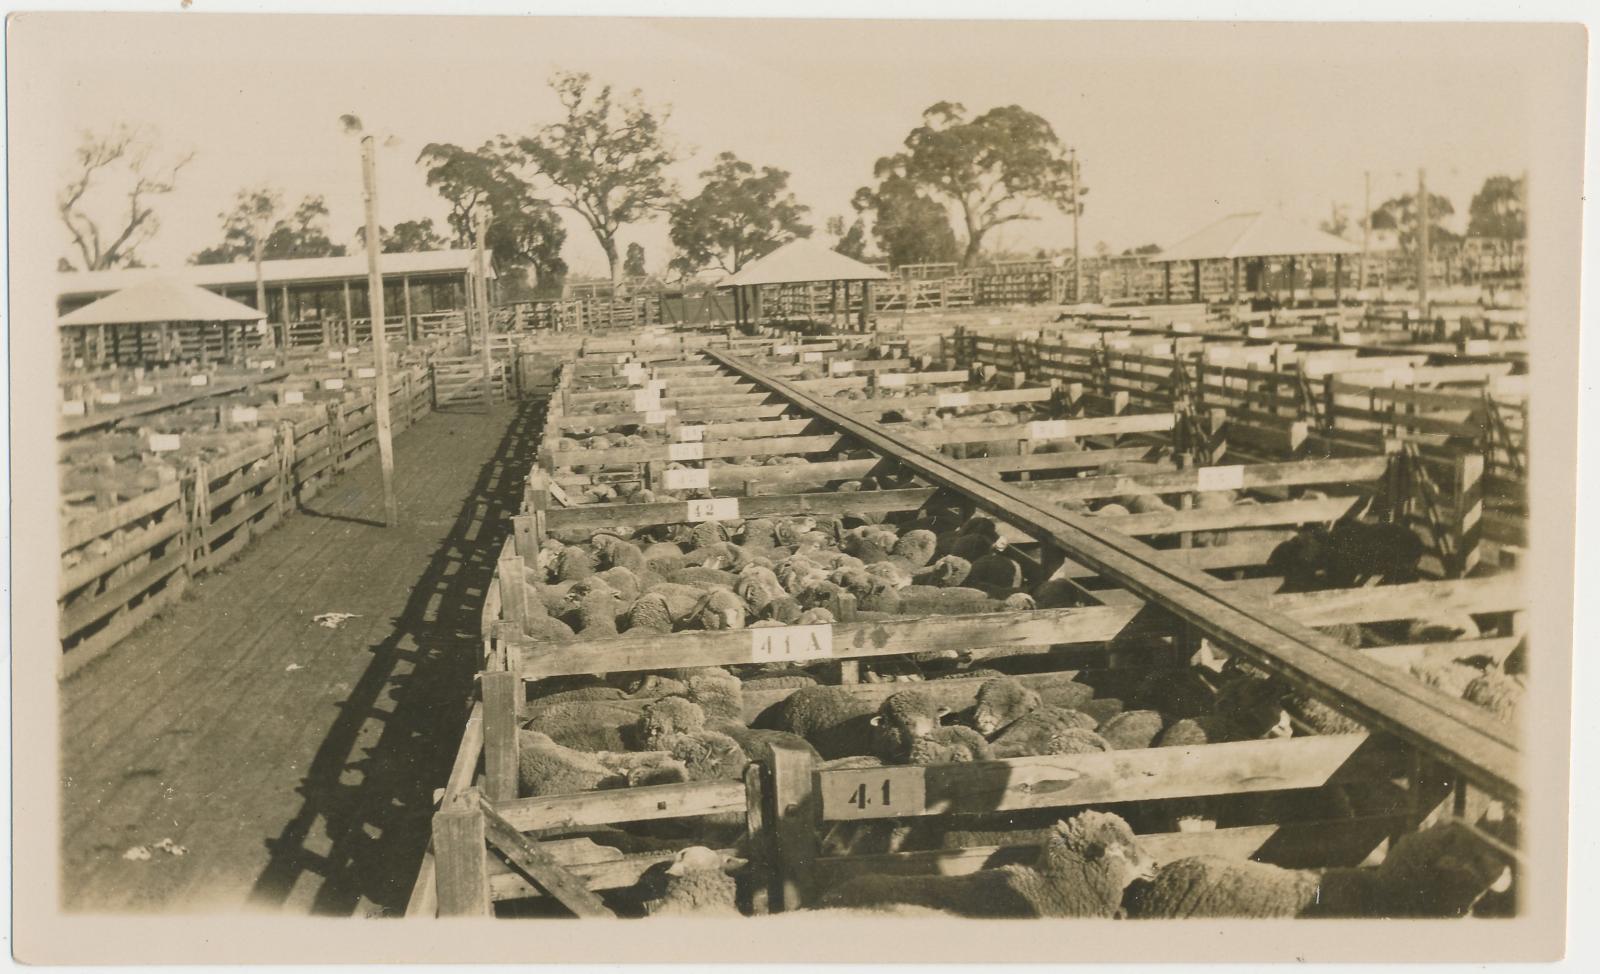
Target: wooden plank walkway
[(296, 763)]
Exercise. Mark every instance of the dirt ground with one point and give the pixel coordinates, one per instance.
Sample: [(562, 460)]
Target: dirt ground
[(293, 763)]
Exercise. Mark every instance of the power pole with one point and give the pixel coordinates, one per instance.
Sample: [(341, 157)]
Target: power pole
[(480, 220), (1366, 233), (261, 290), (1077, 207), (380, 341), (1422, 243)]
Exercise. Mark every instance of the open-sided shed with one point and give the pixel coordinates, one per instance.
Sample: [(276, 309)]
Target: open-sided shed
[(170, 306), (802, 262), (1243, 239)]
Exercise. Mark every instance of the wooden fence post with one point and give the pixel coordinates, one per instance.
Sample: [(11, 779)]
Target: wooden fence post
[(461, 859), (1467, 492), (500, 752), (796, 809)]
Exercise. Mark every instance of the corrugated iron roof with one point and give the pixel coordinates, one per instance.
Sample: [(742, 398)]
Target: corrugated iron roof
[(1254, 235), (800, 262), (272, 271), (160, 299)]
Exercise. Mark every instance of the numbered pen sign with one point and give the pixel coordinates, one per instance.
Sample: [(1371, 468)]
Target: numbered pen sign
[(291, 396), (365, 373), (199, 380), (145, 390), (559, 495), (791, 643), (163, 442), (336, 356), (110, 398), (333, 383), (892, 380), (268, 366), (811, 356), (244, 414), (841, 367), (644, 401), (952, 400), (686, 451), (1221, 478), (783, 350), (713, 509), (691, 434), (874, 793), (687, 479), (657, 415), (72, 407), (1047, 429)]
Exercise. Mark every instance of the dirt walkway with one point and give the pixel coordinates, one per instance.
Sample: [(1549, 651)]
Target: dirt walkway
[(296, 763)]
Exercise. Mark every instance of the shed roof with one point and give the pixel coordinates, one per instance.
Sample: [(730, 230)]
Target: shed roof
[(800, 262), (1254, 235), (272, 271), (160, 299)]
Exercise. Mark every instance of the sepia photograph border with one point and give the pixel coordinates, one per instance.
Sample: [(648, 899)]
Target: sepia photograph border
[(1554, 57)]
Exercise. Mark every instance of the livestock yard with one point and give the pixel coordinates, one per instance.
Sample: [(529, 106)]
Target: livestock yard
[(617, 536), (797, 615)]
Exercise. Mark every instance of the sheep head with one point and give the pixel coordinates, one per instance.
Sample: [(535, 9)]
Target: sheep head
[(1101, 841), (1000, 701)]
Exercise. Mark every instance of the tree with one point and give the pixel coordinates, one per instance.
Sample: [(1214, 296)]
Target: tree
[(1338, 220), (523, 231), (909, 226), (852, 241), (607, 158), (123, 156), (1496, 211), (301, 233), (633, 264), (738, 215), (1143, 250), (1400, 214), (988, 169), (408, 237)]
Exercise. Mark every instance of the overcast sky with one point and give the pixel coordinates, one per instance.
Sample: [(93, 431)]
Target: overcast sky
[(1176, 124)]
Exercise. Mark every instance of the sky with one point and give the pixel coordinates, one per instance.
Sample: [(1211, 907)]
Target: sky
[(1175, 125)]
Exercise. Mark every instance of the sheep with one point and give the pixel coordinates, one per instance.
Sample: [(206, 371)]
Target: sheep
[(721, 609), (704, 578), (1132, 729), (948, 571), (1497, 693), (624, 581), (914, 549), (545, 767), (1000, 702), (949, 745), (1443, 627), (758, 586), (696, 882), (1346, 555), (707, 755), (1082, 870), (573, 563), (901, 719), (614, 552), (1438, 872), (836, 722), (1446, 675), (1047, 730), (708, 533), (975, 539), (589, 725), (783, 611), (596, 613), (994, 572), (718, 692), (668, 717)]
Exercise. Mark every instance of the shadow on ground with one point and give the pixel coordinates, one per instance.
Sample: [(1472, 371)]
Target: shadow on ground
[(376, 811)]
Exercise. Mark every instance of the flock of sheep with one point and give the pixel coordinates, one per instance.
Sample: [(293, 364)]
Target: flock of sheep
[(674, 725)]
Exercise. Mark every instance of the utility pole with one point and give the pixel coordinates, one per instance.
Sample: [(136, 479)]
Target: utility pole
[(380, 341), (1077, 207), (1366, 233), (261, 290), (480, 220), (1422, 243)]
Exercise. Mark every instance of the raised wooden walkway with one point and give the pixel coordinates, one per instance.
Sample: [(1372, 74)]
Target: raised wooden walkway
[(296, 763)]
